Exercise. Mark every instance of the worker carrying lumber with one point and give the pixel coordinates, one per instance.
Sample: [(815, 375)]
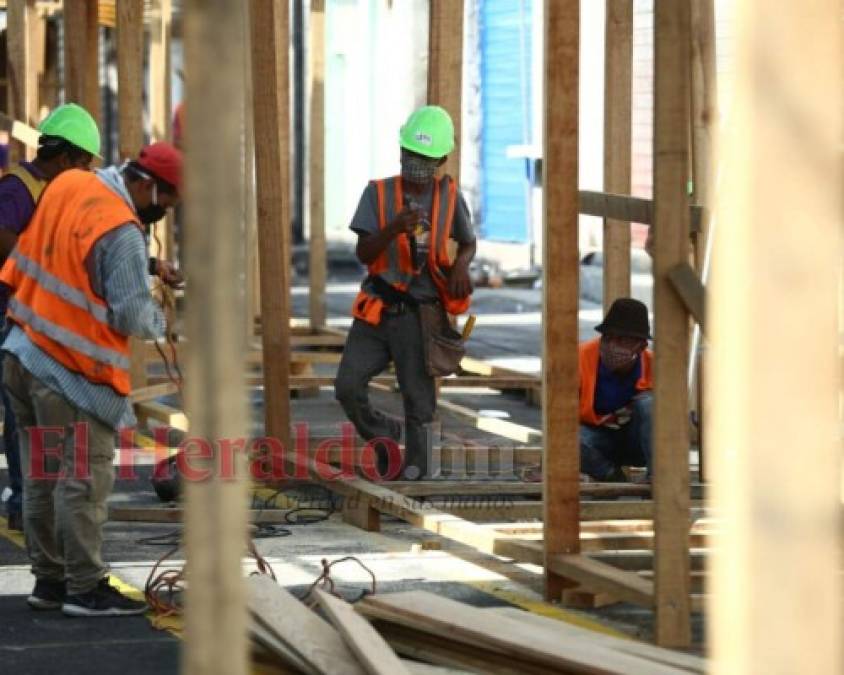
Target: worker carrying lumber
[(69, 139), (79, 289), (616, 378), (404, 224)]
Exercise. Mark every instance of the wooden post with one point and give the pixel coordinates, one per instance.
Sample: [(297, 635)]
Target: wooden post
[(561, 461), (316, 246), (160, 111), (704, 130), (22, 70), (81, 55), (776, 601), (671, 243), (445, 69), (215, 519), (270, 80), (618, 86), (130, 113)]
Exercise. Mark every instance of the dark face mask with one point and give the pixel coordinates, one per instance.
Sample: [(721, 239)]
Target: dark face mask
[(418, 169), (151, 214)]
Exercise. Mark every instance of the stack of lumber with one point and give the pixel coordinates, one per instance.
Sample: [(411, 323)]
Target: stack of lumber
[(436, 636)]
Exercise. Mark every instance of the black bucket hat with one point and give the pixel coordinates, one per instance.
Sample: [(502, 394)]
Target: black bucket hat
[(627, 318)]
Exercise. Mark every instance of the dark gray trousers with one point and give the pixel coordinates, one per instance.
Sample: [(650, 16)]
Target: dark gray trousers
[(369, 350)]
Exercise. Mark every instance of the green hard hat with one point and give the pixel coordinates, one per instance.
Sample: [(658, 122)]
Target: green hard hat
[(75, 125), (428, 131)]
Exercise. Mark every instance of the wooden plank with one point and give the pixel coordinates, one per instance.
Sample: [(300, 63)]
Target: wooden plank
[(600, 577), (130, 111), (267, 639), (627, 208), (81, 55), (160, 109), (493, 425), (445, 69), (22, 73), (162, 413), (454, 382), (359, 513), (216, 618), (618, 142), (561, 465), (20, 131), (152, 392), (772, 296), (643, 559), (687, 285), (515, 509), (162, 514), (302, 631), (671, 222), (270, 81), (509, 638), (363, 640), (317, 261)]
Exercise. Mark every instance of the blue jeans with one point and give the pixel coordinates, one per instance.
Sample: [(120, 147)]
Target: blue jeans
[(604, 450), (11, 447)]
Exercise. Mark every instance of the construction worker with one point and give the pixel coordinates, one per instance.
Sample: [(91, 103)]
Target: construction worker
[(403, 225), (69, 140), (616, 378), (79, 289)]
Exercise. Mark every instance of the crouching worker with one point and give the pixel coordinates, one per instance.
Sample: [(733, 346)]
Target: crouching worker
[(79, 289), (616, 378), (403, 225)]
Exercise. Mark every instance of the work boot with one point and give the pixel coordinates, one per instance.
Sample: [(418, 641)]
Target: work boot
[(47, 595), (103, 600), (15, 522)]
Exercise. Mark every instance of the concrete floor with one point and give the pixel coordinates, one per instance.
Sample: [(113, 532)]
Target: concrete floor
[(508, 333)]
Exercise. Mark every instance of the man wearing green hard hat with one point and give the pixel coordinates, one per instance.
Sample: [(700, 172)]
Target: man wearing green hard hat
[(404, 224), (69, 139)]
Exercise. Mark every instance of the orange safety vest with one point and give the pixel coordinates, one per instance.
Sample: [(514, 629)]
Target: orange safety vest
[(35, 186), (52, 298), (395, 264), (589, 355)]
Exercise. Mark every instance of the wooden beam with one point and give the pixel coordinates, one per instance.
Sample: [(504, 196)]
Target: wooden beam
[(271, 91), (445, 69), (130, 113), (686, 283), (599, 577), (81, 55), (561, 465), (317, 262), (671, 221), (160, 71), (618, 142), (22, 80), (215, 519), (776, 318), (627, 208)]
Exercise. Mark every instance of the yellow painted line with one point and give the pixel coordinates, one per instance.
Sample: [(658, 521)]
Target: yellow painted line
[(527, 603), (13, 536)]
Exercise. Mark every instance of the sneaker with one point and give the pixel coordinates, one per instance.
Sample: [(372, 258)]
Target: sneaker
[(104, 600), (15, 522), (47, 595)]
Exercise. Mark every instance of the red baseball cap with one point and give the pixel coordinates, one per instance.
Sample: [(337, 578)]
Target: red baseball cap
[(164, 161)]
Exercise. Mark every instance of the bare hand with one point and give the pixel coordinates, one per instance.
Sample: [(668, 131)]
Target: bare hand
[(459, 282), (406, 221), (169, 275)]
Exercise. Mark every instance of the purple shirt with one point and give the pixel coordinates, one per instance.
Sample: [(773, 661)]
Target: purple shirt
[(16, 209)]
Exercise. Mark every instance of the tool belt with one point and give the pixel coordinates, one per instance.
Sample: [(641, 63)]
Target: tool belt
[(444, 349)]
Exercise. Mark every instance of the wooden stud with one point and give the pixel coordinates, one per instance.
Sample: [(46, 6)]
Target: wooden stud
[(686, 283), (445, 69), (359, 513), (671, 225), (22, 87), (81, 55), (317, 262), (561, 465), (215, 518), (618, 132), (775, 297), (130, 112), (271, 91), (160, 70)]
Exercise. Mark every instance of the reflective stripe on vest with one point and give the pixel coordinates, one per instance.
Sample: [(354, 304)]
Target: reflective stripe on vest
[(395, 264), (589, 354), (35, 186), (52, 297)]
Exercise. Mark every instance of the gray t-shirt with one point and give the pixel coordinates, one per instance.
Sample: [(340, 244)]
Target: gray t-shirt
[(365, 221)]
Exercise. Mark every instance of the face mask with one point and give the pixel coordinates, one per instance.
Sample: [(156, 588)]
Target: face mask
[(418, 169), (154, 212), (616, 357)]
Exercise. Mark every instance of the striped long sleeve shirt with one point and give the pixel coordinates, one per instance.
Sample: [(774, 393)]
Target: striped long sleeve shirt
[(118, 271)]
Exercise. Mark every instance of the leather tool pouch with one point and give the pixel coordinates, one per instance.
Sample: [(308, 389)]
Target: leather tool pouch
[(444, 348)]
